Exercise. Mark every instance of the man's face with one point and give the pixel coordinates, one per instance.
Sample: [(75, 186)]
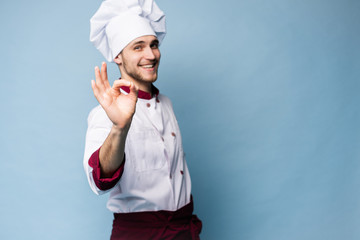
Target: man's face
[(139, 60)]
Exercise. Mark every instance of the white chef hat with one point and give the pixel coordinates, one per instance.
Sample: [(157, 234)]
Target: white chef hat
[(118, 22)]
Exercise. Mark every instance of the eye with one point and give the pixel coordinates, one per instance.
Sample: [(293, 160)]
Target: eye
[(154, 45), (138, 47)]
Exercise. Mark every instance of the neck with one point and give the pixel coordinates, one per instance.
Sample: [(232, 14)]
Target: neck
[(145, 87)]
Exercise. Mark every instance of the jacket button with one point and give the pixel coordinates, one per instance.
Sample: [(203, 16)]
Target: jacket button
[(173, 134), (148, 105)]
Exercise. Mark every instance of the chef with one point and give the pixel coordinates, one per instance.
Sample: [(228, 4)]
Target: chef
[(133, 143)]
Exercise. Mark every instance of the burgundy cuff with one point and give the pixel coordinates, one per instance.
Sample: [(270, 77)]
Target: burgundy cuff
[(104, 183)]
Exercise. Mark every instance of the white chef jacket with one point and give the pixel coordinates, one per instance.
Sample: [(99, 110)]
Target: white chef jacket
[(155, 175)]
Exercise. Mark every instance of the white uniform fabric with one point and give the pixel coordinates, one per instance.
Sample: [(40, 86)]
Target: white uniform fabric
[(155, 175)]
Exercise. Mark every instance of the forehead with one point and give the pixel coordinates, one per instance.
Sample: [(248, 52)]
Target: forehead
[(143, 39)]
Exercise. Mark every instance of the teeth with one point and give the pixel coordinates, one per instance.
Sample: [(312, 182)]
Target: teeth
[(148, 66)]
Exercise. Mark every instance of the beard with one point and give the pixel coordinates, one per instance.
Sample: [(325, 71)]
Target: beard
[(137, 75)]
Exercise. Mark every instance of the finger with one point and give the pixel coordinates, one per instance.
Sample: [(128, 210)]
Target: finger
[(99, 83), (93, 84), (95, 89), (102, 83), (103, 74), (120, 83), (133, 89)]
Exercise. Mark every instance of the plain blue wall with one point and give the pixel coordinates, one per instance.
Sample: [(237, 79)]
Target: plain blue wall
[(266, 94)]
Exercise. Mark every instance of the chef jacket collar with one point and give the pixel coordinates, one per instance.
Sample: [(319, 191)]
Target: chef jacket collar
[(143, 94)]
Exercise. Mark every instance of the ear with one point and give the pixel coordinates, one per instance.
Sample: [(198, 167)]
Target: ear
[(118, 59)]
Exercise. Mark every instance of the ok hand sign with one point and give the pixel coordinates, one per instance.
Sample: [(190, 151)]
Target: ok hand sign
[(119, 107)]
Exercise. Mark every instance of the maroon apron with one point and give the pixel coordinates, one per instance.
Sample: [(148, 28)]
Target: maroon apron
[(164, 225)]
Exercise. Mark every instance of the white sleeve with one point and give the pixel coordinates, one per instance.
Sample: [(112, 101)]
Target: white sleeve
[(99, 126)]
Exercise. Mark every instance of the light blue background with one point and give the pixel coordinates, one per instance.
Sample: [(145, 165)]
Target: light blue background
[(266, 93)]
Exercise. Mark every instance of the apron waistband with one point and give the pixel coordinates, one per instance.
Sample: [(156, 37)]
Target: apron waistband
[(178, 219)]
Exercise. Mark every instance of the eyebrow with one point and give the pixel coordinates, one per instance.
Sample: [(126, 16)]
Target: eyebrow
[(142, 42), (139, 42)]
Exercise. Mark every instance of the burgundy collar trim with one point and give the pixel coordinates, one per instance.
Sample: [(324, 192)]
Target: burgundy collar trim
[(143, 94)]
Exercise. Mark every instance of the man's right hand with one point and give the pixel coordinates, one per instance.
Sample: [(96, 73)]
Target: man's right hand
[(119, 107)]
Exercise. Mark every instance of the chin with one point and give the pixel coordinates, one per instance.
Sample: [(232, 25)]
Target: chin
[(150, 78), (146, 78)]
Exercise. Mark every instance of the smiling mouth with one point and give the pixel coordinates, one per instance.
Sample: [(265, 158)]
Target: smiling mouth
[(149, 66)]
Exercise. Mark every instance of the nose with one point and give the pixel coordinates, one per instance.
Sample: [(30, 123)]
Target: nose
[(149, 53)]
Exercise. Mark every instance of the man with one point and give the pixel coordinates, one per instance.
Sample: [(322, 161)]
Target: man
[(133, 143)]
